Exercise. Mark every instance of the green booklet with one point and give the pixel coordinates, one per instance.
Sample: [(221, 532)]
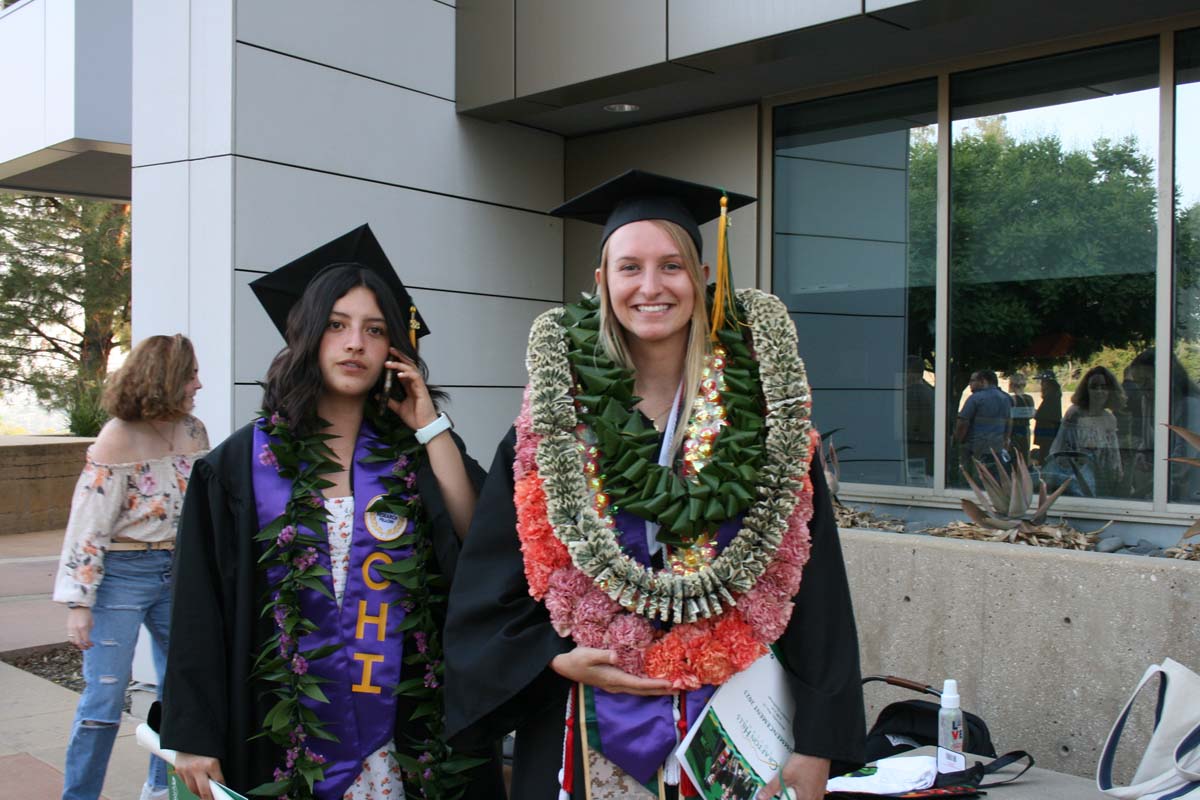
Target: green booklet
[(177, 789)]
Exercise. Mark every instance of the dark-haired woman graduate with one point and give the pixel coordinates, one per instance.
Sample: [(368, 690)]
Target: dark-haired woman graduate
[(313, 556), (653, 523)]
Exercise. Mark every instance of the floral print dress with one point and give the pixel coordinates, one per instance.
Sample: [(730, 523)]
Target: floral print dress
[(381, 777), (140, 500)]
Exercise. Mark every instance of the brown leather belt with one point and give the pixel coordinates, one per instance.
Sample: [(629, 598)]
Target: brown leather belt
[(167, 545)]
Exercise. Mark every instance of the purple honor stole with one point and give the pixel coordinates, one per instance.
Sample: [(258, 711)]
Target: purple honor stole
[(365, 669), (638, 733)]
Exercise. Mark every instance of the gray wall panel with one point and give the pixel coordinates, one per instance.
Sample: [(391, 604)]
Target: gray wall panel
[(697, 26), (719, 149), (847, 200), (307, 115), (482, 418), (434, 241), (255, 340), (476, 341), (846, 352), (484, 52), (409, 42), (846, 276), (246, 400), (561, 42), (878, 150)]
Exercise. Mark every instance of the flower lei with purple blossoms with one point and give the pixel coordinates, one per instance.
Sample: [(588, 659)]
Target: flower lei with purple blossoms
[(437, 772)]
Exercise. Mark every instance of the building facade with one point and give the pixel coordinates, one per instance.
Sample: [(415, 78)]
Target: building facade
[(946, 187)]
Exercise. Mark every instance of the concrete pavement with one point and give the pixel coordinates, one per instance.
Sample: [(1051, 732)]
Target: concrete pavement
[(35, 714)]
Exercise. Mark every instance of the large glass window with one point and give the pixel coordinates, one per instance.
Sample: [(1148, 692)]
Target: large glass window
[(1052, 265), (854, 260), (1185, 360)]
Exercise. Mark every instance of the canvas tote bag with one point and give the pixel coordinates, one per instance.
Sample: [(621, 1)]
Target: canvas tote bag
[(1170, 767)]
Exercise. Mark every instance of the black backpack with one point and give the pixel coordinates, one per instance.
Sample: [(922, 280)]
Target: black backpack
[(910, 724)]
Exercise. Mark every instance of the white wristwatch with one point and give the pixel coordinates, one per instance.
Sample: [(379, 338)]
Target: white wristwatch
[(442, 423)]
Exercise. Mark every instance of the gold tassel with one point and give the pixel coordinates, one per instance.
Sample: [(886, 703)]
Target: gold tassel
[(413, 326), (724, 289)]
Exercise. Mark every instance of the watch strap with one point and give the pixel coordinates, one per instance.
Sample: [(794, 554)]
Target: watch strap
[(442, 423)]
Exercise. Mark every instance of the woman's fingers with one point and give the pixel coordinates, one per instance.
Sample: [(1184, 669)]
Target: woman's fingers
[(594, 667), (196, 772)]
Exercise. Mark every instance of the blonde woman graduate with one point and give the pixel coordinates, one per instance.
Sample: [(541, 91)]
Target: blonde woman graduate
[(652, 524), (314, 557)]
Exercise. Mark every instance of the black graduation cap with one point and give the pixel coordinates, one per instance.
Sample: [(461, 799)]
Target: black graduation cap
[(637, 195), (278, 291)]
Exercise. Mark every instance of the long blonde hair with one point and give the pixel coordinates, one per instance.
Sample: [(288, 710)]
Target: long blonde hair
[(612, 334)]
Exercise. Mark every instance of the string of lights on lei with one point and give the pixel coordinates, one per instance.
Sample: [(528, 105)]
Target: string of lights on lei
[(741, 598)]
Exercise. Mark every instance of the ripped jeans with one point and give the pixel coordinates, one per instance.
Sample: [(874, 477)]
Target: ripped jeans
[(136, 589)]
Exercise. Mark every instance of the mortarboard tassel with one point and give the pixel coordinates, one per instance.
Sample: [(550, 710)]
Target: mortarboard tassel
[(413, 326), (723, 297)]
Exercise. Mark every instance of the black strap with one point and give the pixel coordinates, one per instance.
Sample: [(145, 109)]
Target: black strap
[(974, 775)]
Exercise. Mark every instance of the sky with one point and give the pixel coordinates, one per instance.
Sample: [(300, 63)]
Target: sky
[(1079, 124)]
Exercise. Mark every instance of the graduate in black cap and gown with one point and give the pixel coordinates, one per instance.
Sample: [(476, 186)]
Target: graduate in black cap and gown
[(314, 554), (655, 521)]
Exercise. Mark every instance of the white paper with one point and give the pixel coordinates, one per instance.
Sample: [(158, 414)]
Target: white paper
[(744, 734)]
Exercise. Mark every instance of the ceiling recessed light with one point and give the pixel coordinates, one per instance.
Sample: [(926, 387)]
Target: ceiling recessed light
[(621, 108)]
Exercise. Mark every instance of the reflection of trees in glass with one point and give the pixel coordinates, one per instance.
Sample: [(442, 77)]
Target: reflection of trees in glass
[(1052, 250)]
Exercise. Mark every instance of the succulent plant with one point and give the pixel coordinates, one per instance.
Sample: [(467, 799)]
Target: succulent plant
[(1007, 503)]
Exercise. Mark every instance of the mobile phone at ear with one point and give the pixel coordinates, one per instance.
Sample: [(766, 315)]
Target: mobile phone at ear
[(391, 389)]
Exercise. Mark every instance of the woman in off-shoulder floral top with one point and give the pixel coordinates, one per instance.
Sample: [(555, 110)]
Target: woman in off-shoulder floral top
[(115, 571)]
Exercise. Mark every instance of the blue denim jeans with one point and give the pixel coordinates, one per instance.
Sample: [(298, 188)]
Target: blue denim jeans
[(136, 589)]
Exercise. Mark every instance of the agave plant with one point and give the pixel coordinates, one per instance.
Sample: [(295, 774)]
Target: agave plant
[(1007, 503)]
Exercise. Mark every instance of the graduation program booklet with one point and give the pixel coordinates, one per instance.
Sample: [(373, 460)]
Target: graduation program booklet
[(177, 789), (744, 734)]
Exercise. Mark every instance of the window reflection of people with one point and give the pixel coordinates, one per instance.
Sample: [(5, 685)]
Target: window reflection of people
[(985, 422), (1090, 427), (1048, 418), (1185, 413), (918, 416), (1022, 412)]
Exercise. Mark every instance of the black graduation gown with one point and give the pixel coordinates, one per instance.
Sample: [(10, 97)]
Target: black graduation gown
[(209, 705), (499, 643)]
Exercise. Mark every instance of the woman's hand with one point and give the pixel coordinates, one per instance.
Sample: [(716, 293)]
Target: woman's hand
[(196, 771), (79, 627), (595, 668), (805, 777), (416, 410)]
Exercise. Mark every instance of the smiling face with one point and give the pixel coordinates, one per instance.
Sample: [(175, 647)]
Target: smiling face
[(650, 289), (354, 345)]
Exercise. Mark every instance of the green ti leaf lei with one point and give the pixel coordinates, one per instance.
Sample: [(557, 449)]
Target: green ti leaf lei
[(684, 507), (437, 772)]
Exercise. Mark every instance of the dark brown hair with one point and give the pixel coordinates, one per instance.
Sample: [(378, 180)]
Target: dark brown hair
[(1083, 395), (294, 381), (152, 383)]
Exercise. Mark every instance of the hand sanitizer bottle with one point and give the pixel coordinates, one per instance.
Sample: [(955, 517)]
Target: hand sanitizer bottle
[(950, 730)]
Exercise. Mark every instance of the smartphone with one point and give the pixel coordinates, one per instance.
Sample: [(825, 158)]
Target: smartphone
[(391, 388)]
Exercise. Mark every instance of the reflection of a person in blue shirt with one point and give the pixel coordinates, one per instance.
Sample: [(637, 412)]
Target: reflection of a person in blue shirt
[(985, 422)]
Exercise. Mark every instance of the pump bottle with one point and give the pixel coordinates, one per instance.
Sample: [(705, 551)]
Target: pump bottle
[(951, 734)]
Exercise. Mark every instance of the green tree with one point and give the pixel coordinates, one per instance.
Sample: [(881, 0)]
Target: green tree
[(64, 283)]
